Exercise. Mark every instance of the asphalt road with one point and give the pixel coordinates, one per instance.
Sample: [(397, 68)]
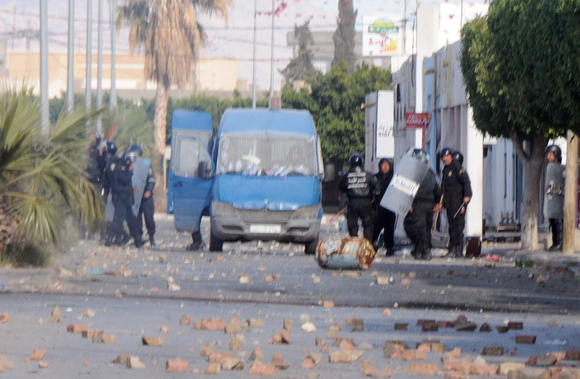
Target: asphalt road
[(283, 274), (133, 293)]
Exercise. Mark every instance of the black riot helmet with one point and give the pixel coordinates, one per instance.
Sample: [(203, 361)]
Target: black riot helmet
[(111, 147), (556, 150), (356, 160), (420, 154), (457, 156), (446, 151), (136, 148)]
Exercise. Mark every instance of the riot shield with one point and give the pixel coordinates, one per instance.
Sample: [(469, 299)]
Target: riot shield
[(141, 169), (400, 193), (555, 182)]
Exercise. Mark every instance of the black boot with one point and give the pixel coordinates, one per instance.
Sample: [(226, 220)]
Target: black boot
[(139, 241), (151, 240)]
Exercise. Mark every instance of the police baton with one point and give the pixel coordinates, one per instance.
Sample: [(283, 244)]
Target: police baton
[(434, 228), (459, 210)]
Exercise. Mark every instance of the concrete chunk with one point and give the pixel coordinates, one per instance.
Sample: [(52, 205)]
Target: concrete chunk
[(153, 341), (176, 365), (423, 368)]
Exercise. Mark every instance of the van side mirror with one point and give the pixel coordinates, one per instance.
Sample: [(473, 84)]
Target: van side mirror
[(204, 170), (329, 172)]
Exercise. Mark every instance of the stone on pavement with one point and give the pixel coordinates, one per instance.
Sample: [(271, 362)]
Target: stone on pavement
[(37, 355), (176, 365), (423, 368), (153, 341)]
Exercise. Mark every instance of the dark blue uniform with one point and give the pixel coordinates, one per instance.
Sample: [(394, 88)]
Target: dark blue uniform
[(361, 188), (120, 176)]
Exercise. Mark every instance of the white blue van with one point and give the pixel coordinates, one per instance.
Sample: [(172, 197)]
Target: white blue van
[(259, 179)]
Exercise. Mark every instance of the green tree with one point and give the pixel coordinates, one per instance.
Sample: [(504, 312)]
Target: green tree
[(42, 178), (301, 67), (172, 37), (334, 100), (522, 81), (344, 35)]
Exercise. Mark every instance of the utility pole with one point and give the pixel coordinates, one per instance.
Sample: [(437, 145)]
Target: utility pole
[(570, 193), (44, 122), (70, 88), (113, 100), (272, 57), (100, 67), (88, 92), (254, 58)]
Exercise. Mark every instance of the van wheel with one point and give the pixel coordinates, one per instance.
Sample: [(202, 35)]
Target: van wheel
[(310, 247), (215, 244)]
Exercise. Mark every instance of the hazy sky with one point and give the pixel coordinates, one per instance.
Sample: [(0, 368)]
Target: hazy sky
[(234, 40)]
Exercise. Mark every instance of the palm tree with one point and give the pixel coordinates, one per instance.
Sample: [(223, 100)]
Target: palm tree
[(42, 178), (171, 36)]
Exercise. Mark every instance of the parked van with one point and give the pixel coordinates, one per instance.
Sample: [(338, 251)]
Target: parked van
[(260, 179)]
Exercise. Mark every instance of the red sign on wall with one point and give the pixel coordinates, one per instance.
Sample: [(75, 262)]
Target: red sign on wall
[(418, 120)]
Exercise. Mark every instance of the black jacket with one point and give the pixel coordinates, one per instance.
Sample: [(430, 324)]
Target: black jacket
[(359, 184), (122, 186), (429, 190), (455, 185)]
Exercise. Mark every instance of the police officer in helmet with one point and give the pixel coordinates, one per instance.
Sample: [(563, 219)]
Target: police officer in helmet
[(119, 178), (456, 188), (147, 206), (361, 188)]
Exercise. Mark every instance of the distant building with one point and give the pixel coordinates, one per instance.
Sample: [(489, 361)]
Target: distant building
[(212, 74), (323, 51)]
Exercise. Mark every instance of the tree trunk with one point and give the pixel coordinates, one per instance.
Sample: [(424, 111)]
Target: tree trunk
[(570, 193), (533, 163), (160, 126)]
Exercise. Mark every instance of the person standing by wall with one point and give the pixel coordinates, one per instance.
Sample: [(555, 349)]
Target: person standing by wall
[(456, 189), (554, 198), (361, 188), (384, 219), (419, 220)]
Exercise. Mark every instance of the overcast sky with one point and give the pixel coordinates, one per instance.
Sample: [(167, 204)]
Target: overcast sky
[(234, 40)]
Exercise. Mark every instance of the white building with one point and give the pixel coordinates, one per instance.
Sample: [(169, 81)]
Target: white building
[(431, 81)]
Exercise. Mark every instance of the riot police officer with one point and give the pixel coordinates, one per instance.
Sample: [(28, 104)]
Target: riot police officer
[(456, 189), (419, 220), (554, 198), (147, 206), (361, 188), (119, 174)]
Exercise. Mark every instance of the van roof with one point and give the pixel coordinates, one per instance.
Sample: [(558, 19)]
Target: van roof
[(283, 120)]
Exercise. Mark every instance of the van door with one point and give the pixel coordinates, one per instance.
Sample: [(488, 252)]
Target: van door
[(191, 179)]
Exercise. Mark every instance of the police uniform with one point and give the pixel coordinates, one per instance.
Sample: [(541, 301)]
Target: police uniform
[(120, 177), (384, 219), (147, 207), (360, 187), (455, 187), (419, 220)]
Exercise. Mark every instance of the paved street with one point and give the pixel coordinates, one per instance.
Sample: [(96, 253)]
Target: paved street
[(135, 292)]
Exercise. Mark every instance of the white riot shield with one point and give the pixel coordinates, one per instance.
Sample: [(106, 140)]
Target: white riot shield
[(141, 169), (401, 192)]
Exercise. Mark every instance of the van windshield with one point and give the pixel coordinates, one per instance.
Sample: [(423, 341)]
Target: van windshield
[(267, 154)]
